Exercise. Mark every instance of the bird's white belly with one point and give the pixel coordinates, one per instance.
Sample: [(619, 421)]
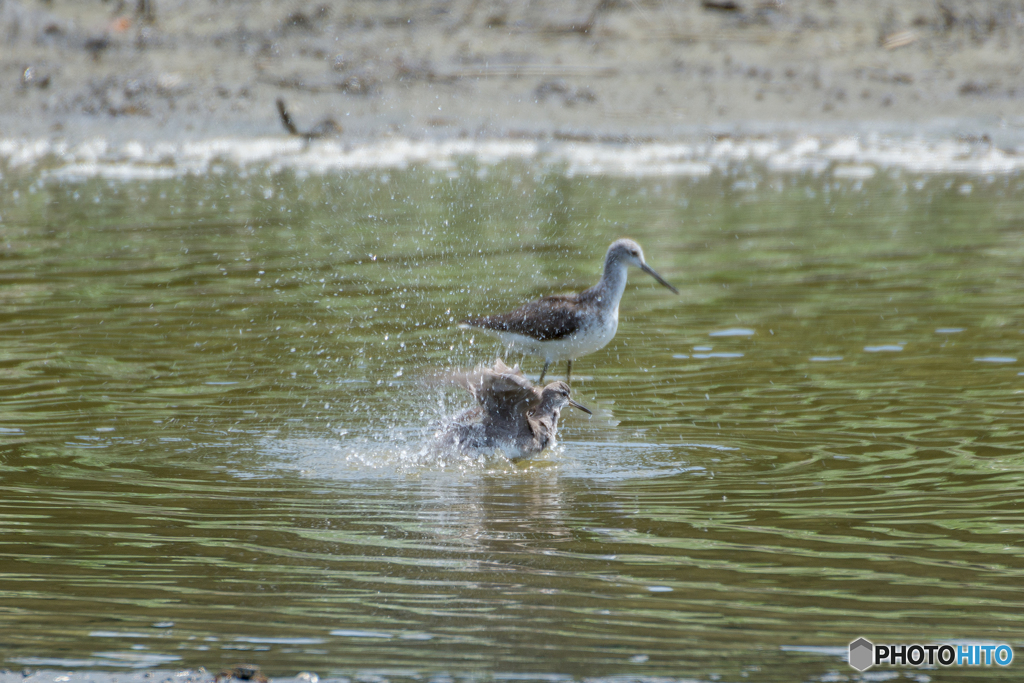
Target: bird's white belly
[(587, 340)]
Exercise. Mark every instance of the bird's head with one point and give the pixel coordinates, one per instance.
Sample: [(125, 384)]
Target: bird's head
[(629, 253), (556, 396)]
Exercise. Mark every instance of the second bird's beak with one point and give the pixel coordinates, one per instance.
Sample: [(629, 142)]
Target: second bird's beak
[(650, 271), (582, 407)]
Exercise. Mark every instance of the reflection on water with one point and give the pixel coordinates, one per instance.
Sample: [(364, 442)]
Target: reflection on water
[(214, 428)]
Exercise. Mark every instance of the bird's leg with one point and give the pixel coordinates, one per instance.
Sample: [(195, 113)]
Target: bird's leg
[(568, 372), (544, 371)]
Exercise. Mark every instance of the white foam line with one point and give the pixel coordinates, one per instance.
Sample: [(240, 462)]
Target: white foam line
[(855, 158)]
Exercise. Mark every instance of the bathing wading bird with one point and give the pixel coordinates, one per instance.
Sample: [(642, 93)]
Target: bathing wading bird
[(558, 328), (512, 414)]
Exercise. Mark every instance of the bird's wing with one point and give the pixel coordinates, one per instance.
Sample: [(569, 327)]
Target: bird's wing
[(506, 391), (501, 391), (547, 319)]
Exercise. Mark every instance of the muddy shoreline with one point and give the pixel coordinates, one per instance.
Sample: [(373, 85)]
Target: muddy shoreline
[(169, 70)]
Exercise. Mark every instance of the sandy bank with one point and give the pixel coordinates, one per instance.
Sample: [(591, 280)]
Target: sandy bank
[(170, 70)]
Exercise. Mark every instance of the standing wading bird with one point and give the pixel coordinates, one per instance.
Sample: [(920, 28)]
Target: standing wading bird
[(513, 415), (558, 328)]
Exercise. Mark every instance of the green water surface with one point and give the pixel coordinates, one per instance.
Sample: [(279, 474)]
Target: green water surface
[(213, 425)]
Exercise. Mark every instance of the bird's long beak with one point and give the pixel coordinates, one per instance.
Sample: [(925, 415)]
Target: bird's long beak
[(650, 271), (582, 407)]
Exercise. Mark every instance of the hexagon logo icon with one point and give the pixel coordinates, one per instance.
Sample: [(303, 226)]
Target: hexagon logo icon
[(862, 654)]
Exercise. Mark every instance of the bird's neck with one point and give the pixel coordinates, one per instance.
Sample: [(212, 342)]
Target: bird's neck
[(544, 429), (609, 290)]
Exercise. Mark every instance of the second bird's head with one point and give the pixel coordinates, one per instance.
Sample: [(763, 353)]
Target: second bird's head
[(556, 396)]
